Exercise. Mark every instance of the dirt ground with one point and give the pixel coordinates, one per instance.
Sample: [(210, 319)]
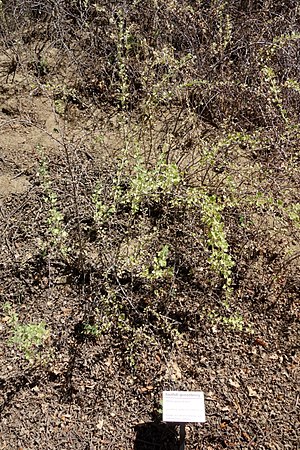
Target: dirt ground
[(87, 395)]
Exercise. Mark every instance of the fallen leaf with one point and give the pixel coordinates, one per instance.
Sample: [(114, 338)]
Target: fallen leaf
[(210, 396), (146, 389), (224, 409), (99, 425), (252, 392), (234, 383), (246, 436), (261, 342)]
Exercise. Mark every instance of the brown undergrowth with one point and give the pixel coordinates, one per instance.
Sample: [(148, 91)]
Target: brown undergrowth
[(149, 207)]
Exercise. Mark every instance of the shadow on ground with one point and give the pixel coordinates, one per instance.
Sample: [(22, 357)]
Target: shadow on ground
[(156, 436)]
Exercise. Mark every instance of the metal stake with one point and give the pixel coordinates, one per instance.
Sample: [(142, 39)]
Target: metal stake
[(182, 436)]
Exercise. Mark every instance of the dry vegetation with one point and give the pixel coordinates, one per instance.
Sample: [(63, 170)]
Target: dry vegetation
[(150, 216)]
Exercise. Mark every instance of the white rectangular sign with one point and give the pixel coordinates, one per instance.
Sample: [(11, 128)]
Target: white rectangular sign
[(183, 406)]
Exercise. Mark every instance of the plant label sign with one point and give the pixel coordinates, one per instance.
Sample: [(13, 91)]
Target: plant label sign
[(183, 406)]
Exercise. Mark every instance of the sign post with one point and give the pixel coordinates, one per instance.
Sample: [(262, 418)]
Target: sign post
[(182, 437), (183, 407)]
